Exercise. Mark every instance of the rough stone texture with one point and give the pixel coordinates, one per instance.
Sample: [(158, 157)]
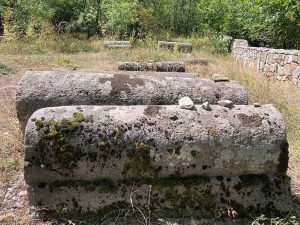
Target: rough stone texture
[(154, 74), (166, 45), (184, 47), (152, 66), (61, 88), (226, 103), (198, 197), (95, 142), (181, 47), (198, 61), (239, 43), (282, 64)]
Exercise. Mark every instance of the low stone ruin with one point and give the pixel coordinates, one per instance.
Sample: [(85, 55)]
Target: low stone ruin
[(117, 44), (177, 46), (97, 142), (284, 65), (152, 66)]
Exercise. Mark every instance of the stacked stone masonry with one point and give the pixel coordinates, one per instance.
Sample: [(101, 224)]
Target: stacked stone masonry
[(96, 142), (282, 64)]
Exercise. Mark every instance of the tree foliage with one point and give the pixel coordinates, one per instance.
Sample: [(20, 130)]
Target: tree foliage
[(273, 23)]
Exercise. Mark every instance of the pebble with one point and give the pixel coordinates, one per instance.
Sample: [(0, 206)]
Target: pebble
[(206, 106), (186, 103), (226, 103), (219, 78), (22, 193)]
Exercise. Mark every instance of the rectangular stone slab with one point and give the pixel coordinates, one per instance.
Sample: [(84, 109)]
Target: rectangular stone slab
[(173, 197), (152, 66), (116, 43), (118, 46), (93, 142), (62, 88)]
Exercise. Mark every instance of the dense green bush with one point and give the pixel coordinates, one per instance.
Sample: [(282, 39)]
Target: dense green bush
[(272, 23)]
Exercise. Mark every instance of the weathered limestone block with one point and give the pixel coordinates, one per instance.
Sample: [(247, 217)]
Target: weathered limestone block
[(166, 45), (95, 142), (199, 61), (61, 88), (184, 47), (296, 73), (284, 70), (239, 43), (152, 66), (117, 44), (224, 37), (173, 197), (181, 47)]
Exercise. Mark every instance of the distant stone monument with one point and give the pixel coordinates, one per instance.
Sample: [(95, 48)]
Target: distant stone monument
[(117, 44), (180, 47), (152, 66)]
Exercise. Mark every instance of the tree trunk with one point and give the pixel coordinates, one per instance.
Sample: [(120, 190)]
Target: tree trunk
[(1, 26)]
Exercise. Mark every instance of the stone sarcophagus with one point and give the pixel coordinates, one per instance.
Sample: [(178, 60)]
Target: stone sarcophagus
[(42, 89), (97, 157)]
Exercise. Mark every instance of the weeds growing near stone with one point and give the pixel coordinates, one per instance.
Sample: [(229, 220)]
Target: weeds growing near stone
[(5, 69)]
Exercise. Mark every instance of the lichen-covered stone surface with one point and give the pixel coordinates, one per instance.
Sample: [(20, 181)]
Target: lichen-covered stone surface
[(172, 197), (60, 88), (95, 142), (152, 66)]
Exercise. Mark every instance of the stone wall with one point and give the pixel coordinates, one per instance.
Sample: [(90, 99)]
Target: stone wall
[(283, 64)]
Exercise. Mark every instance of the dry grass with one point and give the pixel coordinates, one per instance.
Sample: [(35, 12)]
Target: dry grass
[(283, 95)]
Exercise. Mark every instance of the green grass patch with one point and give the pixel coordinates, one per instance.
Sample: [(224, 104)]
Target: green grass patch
[(65, 60), (5, 69)]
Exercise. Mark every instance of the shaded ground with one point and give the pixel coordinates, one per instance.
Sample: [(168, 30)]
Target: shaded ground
[(14, 208)]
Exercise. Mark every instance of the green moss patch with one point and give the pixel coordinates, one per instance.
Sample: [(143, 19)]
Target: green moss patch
[(57, 132)]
